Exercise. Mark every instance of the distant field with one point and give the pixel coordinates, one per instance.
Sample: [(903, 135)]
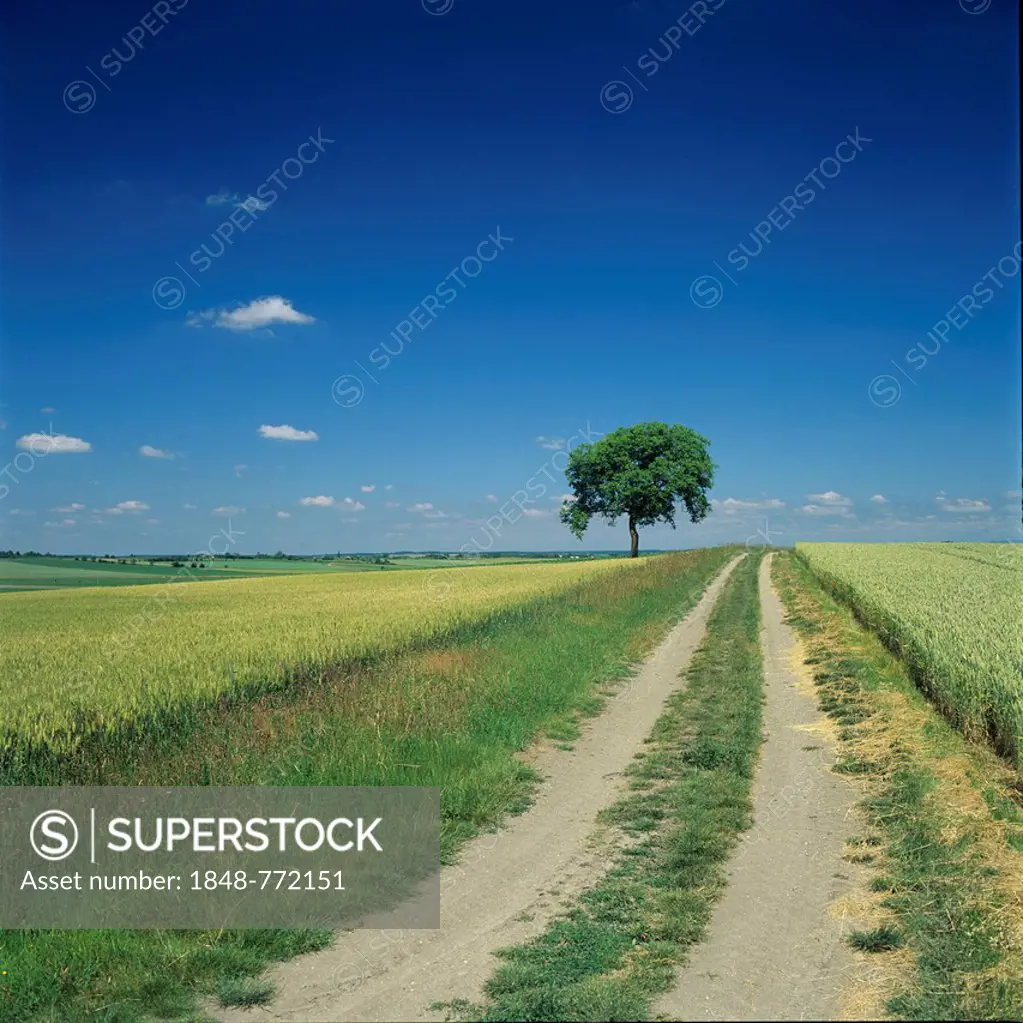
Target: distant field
[(953, 612), (53, 573), (79, 659)]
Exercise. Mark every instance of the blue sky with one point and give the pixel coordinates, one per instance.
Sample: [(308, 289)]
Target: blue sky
[(755, 220)]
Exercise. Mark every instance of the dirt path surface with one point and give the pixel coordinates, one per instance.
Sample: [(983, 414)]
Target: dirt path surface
[(773, 952), (507, 886)]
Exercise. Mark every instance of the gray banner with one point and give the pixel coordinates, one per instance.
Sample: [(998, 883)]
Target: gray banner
[(203, 858)]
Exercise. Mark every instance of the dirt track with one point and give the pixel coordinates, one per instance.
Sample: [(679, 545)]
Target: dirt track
[(773, 951), (507, 886)]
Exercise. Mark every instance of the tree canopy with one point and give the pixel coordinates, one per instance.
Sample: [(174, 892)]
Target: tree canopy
[(643, 472)]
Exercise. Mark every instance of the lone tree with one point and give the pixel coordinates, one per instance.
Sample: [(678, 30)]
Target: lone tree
[(640, 471)]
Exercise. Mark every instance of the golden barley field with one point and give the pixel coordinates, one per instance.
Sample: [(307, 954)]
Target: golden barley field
[(86, 658)]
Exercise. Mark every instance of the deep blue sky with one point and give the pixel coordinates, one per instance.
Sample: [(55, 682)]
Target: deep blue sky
[(446, 127)]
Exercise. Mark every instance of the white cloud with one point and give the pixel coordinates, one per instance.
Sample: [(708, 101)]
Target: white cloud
[(962, 504), (261, 312), (1010, 494), (188, 507), (435, 513), (53, 444), (21, 511), (423, 506), (492, 498), (57, 525), (127, 506), (153, 522), (147, 451), (228, 509), (351, 505), (731, 505), (252, 205), (562, 498), (67, 509), (390, 486), (49, 410), (536, 513), (3, 424), (368, 488), (879, 499), (318, 502), (825, 509), (284, 515), (287, 433), (551, 443), (830, 497), (221, 198), (392, 504)]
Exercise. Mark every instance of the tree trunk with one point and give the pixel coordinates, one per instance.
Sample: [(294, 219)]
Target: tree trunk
[(634, 537)]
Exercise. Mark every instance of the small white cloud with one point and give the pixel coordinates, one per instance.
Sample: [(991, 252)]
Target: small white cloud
[(188, 507), (153, 522), (551, 443), (318, 502), (962, 504), (392, 504), (127, 506), (879, 499), (284, 515), (423, 506), (49, 410), (68, 508), (53, 444), (1010, 494), (824, 509), (368, 488), (63, 523), (221, 198), (435, 513), (492, 498), (732, 505), (228, 509), (351, 505), (261, 312), (287, 433), (239, 469), (536, 513), (252, 205), (390, 486), (148, 451), (830, 497), (21, 511)]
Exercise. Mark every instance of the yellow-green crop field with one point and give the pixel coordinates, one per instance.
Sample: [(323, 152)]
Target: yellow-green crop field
[(76, 660), (954, 612)]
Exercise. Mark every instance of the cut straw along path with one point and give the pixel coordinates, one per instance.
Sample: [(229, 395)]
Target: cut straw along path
[(773, 951), (507, 886)]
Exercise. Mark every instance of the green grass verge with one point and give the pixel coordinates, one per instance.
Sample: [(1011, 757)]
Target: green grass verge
[(928, 789), (452, 716), (610, 955)]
